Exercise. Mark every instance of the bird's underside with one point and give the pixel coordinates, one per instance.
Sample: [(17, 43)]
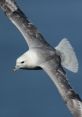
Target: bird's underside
[(42, 55)]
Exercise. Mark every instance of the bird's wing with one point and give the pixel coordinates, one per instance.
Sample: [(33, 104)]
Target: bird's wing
[(32, 36), (71, 99)]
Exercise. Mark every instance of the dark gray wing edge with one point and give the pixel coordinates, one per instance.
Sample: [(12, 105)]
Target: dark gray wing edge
[(70, 97), (30, 33)]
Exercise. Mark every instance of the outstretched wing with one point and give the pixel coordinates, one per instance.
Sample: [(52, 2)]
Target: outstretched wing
[(71, 99), (32, 36)]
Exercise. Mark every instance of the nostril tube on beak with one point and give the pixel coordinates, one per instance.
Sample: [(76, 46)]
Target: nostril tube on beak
[(15, 69)]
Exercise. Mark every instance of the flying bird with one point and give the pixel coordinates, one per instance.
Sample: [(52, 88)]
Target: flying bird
[(41, 55)]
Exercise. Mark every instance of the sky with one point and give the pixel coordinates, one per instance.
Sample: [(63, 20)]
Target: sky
[(29, 93)]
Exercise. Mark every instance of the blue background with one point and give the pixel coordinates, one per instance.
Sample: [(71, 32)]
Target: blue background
[(32, 93)]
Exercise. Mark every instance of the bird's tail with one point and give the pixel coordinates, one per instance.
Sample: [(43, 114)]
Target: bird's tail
[(68, 56)]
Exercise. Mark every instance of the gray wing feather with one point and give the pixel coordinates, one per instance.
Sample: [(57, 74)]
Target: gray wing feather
[(32, 36), (71, 99)]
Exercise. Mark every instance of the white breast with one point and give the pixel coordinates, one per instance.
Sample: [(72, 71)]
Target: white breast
[(32, 58)]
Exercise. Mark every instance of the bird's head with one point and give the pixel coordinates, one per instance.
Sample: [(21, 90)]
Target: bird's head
[(21, 62), (28, 60)]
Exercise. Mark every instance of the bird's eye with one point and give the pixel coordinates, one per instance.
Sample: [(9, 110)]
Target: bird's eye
[(22, 62)]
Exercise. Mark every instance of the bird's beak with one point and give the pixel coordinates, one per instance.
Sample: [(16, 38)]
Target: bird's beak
[(16, 68)]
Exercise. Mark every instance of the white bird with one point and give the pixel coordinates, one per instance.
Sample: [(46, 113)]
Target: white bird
[(41, 55)]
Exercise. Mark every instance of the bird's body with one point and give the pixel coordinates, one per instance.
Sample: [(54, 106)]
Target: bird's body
[(36, 57), (41, 55)]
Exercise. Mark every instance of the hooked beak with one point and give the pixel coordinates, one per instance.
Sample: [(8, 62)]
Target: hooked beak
[(16, 68)]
